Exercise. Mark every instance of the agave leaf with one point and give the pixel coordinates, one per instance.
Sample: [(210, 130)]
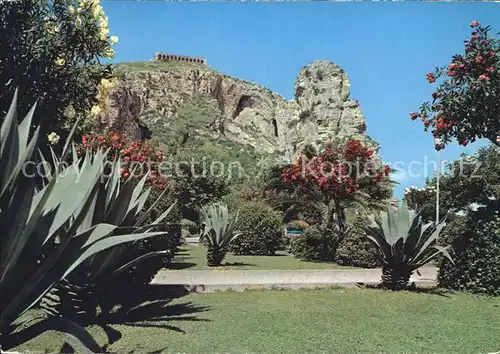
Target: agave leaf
[(381, 241), (440, 250), (139, 259), (398, 251), (392, 234), (120, 205), (20, 163), (404, 222), (24, 130), (381, 255), (144, 216), (68, 143), (164, 214), (9, 145), (17, 214), (430, 241), (108, 242)]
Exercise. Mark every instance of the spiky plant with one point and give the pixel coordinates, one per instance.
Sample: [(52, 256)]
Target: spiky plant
[(404, 244), (218, 232), (47, 232)]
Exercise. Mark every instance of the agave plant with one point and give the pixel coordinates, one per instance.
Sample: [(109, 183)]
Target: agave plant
[(46, 232), (89, 294), (404, 244), (218, 232)]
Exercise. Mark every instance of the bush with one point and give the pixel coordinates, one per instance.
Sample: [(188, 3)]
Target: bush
[(476, 253), (190, 226), (55, 49), (356, 251), (315, 244), (261, 228)]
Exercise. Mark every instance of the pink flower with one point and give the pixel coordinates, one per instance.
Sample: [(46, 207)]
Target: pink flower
[(474, 24), (483, 77)]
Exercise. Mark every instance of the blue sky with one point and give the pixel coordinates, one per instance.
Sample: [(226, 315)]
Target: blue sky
[(386, 49)]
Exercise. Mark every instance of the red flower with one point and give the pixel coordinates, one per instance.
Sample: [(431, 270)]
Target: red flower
[(474, 24), (414, 115), (430, 77), (452, 66), (490, 69), (451, 73), (484, 77), (479, 59), (436, 95)]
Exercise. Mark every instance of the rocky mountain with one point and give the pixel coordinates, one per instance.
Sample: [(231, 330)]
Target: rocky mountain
[(164, 96)]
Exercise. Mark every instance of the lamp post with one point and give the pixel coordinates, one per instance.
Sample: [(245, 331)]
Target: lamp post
[(438, 172)]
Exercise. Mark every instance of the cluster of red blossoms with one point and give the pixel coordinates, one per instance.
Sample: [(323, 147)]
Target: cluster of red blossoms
[(474, 69), (135, 156), (335, 171)]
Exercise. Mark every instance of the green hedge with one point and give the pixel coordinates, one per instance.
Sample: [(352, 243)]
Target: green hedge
[(314, 245), (356, 251), (475, 240), (261, 227)]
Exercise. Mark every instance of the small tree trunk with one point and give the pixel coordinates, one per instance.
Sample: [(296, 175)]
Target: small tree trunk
[(395, 278), (215, 255)]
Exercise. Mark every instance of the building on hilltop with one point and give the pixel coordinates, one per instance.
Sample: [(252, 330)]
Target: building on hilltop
[(178, 58)]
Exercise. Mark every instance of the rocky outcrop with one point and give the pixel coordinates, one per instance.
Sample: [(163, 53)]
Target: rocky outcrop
[(246, 113)]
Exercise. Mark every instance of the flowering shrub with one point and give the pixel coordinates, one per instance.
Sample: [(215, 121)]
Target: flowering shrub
[(466, 105), (337, 173), (137, 157), (54, 55)]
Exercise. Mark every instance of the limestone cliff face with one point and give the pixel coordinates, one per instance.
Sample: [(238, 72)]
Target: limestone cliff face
[(245, 112)]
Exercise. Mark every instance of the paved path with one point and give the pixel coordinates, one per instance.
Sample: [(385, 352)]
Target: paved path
[(213, 280)]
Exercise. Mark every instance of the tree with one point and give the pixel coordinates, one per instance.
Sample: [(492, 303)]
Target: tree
[(469, 180), (196, 182), (466, 105), (51, 50), (339, 176)]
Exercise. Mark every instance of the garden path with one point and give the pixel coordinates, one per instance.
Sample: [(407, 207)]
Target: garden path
[(220, 279)]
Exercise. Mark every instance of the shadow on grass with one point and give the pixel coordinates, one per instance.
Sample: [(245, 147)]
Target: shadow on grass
[(180, 265), (152, 308), (238, 264), (432, 290)]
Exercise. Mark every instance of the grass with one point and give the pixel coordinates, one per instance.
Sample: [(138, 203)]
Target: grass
[(155, 66), (194, 257), (311, 321)]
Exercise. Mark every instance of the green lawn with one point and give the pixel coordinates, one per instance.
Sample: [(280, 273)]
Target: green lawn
[(311, 321), (194, 257)]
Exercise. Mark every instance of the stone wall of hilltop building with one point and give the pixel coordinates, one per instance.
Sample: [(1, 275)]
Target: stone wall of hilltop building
[(178, 58)]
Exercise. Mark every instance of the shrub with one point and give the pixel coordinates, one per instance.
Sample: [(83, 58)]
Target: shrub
[(356, 251), (190, 226), (315, 244), (54, 56), (261, 230), (476, 252)]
